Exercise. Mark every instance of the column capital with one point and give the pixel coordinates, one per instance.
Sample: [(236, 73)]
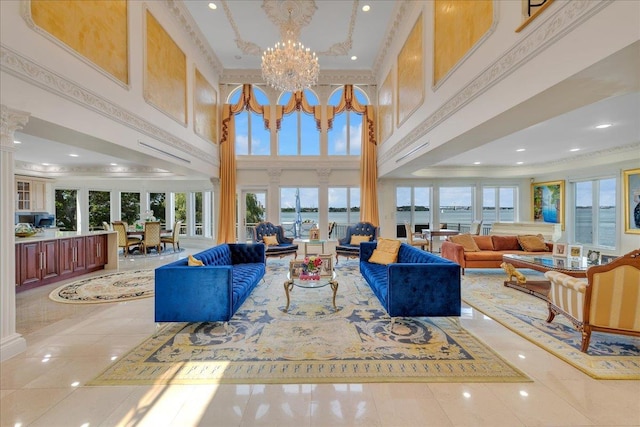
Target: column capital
[(11, 121)]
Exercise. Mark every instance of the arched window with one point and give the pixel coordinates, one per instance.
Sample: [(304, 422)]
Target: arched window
[(251, 136), (298, 134), (345, 136)]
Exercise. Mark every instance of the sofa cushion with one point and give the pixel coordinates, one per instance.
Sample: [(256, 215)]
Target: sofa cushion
[(467, 242), (194, 262), (270, 240), (386, 251), (505, 243), (356, 240), (484, 243), (532, 243)]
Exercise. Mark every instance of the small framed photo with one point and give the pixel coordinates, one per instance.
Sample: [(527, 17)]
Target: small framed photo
[(326, 269), (593, 257), (295, 269), (314, 234), (575, 263), (559, 249), (606, 259), (559, 262), (575, 251)]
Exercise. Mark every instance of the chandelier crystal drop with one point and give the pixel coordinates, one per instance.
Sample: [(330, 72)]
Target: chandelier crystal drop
[(289, 66)]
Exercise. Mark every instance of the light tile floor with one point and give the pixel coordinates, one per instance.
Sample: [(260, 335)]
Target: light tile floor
[(70, 344)]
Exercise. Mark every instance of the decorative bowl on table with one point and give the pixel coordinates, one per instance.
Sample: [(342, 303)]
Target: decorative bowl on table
[(24, 230)]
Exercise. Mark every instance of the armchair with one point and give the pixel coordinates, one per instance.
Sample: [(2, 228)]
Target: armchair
[(606, 302), (415, 238), (349, 246), (284, 246)]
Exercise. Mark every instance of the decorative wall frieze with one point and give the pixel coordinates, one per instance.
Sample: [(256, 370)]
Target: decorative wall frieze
[(25, 69), (274, 175), (98, 170), (323, 175), (327, 77), (183, 17), (568, 16), (400, 18)]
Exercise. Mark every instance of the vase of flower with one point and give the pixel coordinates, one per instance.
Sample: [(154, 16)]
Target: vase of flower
[(311, 268)]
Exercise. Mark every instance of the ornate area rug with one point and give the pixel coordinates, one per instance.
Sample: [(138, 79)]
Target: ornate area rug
[(610, 356), (311, 343), (115, 287)]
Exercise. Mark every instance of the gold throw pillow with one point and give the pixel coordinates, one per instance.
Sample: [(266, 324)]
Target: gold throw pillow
[(194, 262), (466, 240), (270, 240), (531, 243), (386, 251), (356, 240)]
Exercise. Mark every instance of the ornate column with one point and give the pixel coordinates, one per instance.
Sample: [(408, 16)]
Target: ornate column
[(11, 343)]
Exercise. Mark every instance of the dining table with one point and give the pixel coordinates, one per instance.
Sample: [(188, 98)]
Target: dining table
[(430, 234)]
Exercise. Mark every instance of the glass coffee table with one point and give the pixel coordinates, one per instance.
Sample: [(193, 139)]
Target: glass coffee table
[(321, 282)]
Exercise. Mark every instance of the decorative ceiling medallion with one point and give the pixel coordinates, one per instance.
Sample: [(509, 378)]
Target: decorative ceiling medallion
[(278, 11)]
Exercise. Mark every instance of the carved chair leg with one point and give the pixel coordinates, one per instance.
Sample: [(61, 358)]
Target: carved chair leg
[(586, 337), (551, 316)]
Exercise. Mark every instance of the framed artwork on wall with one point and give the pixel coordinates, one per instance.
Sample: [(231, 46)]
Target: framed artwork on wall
[(547, 202), (631, 179)]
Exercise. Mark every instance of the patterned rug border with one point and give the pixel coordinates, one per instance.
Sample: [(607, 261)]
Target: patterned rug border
[(55, 294), (161, 358), (595, 367), (354, 371)]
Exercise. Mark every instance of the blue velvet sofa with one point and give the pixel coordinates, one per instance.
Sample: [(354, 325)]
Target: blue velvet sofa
[(212, 292), (285, 244), (344, 246), (418, 284)]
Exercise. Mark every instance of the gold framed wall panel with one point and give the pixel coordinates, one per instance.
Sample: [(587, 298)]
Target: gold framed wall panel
[(165, 72), (385, 108), (410, 73), (205, 108), (95, 30), (458, 27)]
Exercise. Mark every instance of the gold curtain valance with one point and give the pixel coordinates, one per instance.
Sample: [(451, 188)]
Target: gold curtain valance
[(298, 102)]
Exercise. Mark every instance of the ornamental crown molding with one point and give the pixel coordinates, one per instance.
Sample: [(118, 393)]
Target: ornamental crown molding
[(33, 73), (327, 77), (400, 18), (183, 17), (566, 17), (85, 171)]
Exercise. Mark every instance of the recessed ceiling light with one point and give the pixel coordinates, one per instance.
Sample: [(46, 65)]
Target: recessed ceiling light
[(604, 126), (353, 58), (519, 163), (46, 164), (476, 163), (113, 164), (17, 142), (575, 149), (366, 8), (73, 155), (520, 149), (212, 6)]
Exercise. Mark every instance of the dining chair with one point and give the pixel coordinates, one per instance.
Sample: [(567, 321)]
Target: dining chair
[(415, 238), (125, 241), (106, 226), (151, 236), (174, 239), (475, 228)]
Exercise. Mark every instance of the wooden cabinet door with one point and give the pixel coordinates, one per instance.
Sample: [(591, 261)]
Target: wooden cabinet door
[(30, 260), (50, 264), (18, 265), (65, 256), (96, 251), (38, 196), (81, 254)]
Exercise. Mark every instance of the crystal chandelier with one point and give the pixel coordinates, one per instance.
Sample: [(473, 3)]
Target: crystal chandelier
[(289, 66)]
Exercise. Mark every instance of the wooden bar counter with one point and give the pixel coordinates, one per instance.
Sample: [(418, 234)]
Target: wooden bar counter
[(51, 256)]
